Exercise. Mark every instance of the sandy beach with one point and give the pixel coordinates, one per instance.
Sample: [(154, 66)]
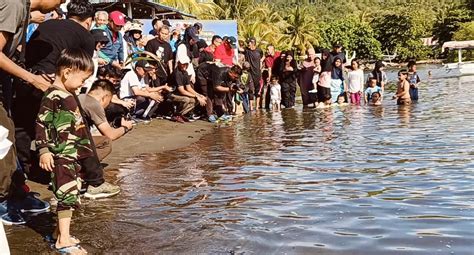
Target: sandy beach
[(154, 137)]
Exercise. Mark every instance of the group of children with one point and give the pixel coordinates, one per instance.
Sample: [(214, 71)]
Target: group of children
[(347, 85)]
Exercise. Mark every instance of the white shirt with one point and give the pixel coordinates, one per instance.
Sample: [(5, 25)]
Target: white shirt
[(275, 92), (130, 80), (356, 80)]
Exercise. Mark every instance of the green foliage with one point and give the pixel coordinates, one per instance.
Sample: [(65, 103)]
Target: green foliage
[(465, 32), (401, 32), (449, 21), (353, 35)]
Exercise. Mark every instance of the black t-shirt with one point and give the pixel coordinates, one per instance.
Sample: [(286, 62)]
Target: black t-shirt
[(333, 55), (163, 51), (254, 58), (179, 78), (53, 36), (220, 77)]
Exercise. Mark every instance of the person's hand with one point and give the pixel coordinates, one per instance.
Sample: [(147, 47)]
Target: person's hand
[(40, 82), (168, 88), (201, 100), (127, 104), (157, 97), (101, 62), (127, 123), (47, 161), (37, 17), (117, 64)]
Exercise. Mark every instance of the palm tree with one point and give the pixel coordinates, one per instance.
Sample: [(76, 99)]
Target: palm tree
[(201, 10), (301, 31)]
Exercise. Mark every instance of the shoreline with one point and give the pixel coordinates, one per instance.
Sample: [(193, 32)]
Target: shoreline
[(155, 137)]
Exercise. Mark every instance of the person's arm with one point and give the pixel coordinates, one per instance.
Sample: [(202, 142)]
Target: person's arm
[(43, 139), (361, 81), (10, 67), (120, 50), (366, 97), (170, 66), (145, 93), (115, 133)]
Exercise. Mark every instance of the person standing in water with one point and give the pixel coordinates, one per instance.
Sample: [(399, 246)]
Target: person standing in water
[(414, 80)]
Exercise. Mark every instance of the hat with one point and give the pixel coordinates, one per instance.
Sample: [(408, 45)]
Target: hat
[(252, 39), (143, 64), (198, 25), (191, 33), (134, 26), (336, 45), (99, 35), (184, 59), (118, 18), (231, 40), (166, 22)]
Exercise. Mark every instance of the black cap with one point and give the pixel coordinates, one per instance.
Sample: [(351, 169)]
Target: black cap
[(166, 22), (231, 40), (336, 45), (99, 35), (142, 64), (252, 39), (191, 33)]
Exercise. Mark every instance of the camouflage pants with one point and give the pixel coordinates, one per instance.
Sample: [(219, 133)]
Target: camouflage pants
[(66, 184)]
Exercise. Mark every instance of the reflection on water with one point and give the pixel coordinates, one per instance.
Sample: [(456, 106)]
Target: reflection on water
[(353, 180)]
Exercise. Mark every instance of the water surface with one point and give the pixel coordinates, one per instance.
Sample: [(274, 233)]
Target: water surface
[(353, 180)]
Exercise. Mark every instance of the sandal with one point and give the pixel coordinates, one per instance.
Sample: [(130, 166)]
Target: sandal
[(50, 239), (70, 249)]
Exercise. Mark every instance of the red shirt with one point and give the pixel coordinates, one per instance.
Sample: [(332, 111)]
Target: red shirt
[(269, 59), (225, 55)]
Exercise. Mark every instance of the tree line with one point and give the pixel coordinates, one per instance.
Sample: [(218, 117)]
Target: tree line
[(369, 27)]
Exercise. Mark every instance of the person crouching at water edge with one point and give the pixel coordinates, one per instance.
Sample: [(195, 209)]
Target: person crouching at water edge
[(62, 140), (403, 89)]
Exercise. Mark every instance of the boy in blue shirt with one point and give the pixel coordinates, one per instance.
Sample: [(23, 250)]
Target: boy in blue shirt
[(414, 80)]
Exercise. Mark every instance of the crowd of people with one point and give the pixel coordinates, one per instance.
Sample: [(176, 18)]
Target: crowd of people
[(72, 82)]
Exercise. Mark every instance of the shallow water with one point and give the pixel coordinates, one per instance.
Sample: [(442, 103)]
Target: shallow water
[(354, 180)]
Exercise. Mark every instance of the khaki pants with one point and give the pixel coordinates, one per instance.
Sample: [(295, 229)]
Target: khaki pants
[(8, 163), (103, 146), (184, 104)]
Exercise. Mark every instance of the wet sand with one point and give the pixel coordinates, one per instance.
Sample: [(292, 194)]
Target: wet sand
[(154, 137)]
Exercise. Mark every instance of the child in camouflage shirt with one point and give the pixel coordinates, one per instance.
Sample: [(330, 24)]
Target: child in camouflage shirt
[(62, 140)]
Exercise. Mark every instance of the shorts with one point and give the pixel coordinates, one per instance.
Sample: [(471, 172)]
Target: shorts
[(403, 101)]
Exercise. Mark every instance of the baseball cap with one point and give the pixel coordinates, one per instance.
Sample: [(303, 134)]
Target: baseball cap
[(166, 22), (252, 39), (336, 45), (143, 64), (99, 35), (191, 33), (135, 27), (231, 40), (118, 18)]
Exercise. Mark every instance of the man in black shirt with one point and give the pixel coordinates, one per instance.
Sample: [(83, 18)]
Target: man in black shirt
[(162, 49), (225, 85), (184, 96), (204, 84), (255, 57)]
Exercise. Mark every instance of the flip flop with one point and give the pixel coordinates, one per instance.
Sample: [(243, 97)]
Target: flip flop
[(70, 249), (50, 239)]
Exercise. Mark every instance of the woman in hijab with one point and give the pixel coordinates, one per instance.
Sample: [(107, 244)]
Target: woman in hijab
[(324, 84), (288, 76)]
